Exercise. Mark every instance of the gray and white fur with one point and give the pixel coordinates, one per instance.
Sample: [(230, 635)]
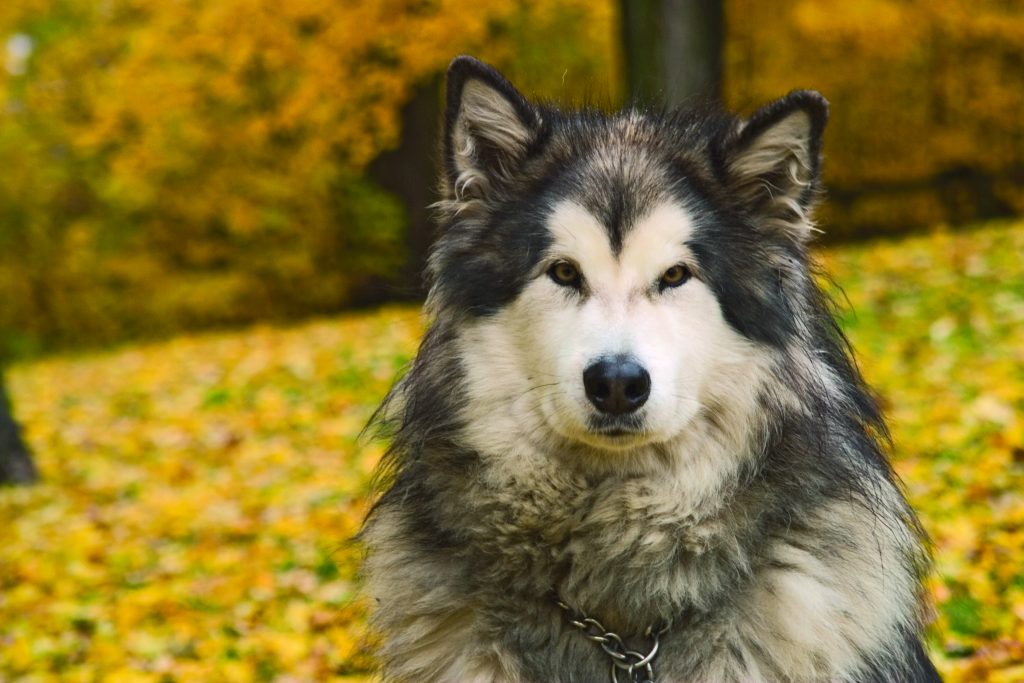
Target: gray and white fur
[(633, 396)]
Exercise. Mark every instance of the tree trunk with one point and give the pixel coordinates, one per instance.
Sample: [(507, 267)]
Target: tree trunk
[(673, 50), (15, 461), (410, 172)]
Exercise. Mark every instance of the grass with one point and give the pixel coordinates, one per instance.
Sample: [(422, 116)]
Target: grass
[(199, 493)]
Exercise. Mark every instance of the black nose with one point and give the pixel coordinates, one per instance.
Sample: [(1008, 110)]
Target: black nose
[(617, 385)]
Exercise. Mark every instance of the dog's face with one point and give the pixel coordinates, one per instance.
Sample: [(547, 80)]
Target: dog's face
[(621, 338), (621, 278)]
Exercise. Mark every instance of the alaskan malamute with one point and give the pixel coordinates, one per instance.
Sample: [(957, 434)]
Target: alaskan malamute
[(633, 445)]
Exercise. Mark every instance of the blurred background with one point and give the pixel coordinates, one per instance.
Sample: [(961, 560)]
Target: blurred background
[(212, 224)]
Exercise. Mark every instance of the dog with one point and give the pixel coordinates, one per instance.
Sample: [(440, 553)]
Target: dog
[(633, 444)]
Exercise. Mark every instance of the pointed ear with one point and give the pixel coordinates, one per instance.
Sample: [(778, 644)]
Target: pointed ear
[(489, 127), (773, 162)]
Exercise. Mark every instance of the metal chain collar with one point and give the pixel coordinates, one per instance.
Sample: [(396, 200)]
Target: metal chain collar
[(638, 667)]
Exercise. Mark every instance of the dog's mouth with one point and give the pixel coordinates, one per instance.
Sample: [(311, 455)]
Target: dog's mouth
[(599, 431), (615, 428)]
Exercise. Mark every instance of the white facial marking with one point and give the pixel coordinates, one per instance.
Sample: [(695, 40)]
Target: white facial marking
[(525, 365)]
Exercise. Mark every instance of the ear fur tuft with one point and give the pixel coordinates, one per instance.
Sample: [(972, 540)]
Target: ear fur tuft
[(489, 127), (773, 162)]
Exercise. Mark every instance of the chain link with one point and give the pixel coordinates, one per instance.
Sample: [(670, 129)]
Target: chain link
[(638, 667)]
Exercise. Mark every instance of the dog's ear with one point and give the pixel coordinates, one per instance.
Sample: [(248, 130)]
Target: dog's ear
[(772, 162), (489, 127)]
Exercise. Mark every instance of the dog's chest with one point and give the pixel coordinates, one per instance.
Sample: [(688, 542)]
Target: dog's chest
[(745, 600), (749, 598), (628, 550)]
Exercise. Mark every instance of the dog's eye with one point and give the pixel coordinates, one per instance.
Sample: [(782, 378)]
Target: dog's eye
[(565, 274), (674, 276)]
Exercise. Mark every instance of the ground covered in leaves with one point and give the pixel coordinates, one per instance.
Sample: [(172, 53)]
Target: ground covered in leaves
[(198, 493)]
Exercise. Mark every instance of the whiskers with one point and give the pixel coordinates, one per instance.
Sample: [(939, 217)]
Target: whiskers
[(536, 387)]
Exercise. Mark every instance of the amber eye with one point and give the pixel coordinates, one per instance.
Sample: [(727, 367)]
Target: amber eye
[(674, 276), (565, 274)]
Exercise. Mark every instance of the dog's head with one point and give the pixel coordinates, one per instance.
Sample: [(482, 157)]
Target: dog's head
[(619, 278)]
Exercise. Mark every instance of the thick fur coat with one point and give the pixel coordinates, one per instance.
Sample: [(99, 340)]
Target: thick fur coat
[(737, 496)]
